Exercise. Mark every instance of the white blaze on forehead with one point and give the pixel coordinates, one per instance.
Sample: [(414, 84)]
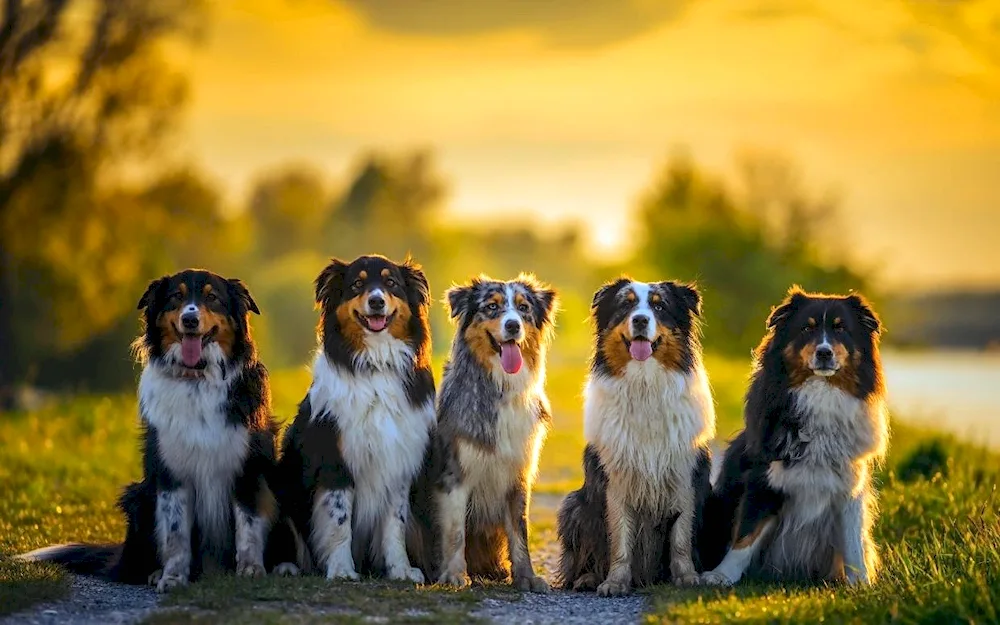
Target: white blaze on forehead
[(510, 310), (642, 309)]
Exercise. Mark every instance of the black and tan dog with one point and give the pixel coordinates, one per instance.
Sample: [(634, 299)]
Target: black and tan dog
[(208, 442), (362, 431), (795, 498), (648, 420), (491, 422)]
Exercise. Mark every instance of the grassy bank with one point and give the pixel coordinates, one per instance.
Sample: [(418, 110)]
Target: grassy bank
[(61, 468)]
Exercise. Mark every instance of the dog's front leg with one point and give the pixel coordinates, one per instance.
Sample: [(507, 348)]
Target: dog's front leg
[(852, 524), (682, 571), (621, 533), (452, 504), (755, 518), (331, 532), (516, 524), (397, 563), (253, 511), (173, 534)]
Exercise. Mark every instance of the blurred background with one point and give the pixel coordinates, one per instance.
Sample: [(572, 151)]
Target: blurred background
[(747, 145)]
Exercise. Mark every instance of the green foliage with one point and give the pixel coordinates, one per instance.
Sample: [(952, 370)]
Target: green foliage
[(744, 246), (927, 460)]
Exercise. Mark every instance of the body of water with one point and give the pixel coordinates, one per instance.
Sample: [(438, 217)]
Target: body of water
[(954, 391)]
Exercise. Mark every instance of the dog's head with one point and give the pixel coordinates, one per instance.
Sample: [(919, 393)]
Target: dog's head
[(371, 298), (195, 318), (504, 324), (829, 336), (637, 321)]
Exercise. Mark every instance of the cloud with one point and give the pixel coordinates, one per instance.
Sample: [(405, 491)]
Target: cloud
[(572, 23)]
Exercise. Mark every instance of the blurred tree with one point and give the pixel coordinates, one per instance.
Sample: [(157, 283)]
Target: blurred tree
[(289, 209), (744, 248), (84, 96)]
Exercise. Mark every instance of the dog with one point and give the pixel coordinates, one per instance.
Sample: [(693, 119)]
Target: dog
[(208, 443), (492, 419), (794, 495), (648, 420), (361, 433)]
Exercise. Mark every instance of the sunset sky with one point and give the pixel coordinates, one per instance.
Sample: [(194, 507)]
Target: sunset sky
[(568, 107)]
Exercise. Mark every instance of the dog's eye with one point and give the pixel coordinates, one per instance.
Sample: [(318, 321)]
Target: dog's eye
[(357, 285), (659, 307), (838, 326), (211, 298), (807, 329), (492, 307), (390, 282), (177, 296), (523, 308)]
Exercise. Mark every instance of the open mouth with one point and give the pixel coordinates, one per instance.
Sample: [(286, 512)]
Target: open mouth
[(192, 346), (640, 348), (375, 323), (510, 354)]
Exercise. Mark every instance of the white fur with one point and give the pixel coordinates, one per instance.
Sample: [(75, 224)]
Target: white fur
[(195, 442), (383, 437), (511, 314), (331, 538), (736, 562), (251, 537), (642, 309), (173, 537), (648, 426)]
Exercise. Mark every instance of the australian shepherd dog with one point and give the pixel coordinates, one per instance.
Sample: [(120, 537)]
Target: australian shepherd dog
[(492, 418), (361, 433), (795, 490), (648, 420), (208, 442)]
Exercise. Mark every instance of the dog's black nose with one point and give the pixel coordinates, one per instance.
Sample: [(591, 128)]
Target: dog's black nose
[(190, 321), (824, 353), (640, 322), (512, 326), (376, 303)]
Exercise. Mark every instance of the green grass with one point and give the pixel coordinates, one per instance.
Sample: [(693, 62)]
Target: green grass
[(61, 468)]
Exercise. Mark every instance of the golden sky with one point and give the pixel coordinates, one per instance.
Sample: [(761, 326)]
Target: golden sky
[(568, 107)]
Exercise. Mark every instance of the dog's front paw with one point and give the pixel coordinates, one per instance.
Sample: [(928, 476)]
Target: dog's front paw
[(406, 574), (586, 583), (459, 579), (286, 569), (170, 582), (715, 578), (342, 570), (154, 577), (250, 569), (531, 583), (612, 588), (856, 577), (686, 580)]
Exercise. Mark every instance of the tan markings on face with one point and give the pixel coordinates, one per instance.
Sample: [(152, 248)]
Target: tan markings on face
[(497, 298), (400, 326), (531, 346), (519, 299), (668, 352), (800, 370), (226, 333), (385, 273), (350, 326), (615, 352), (846, 377), (838, 321), (362, 275), (656, 298), (168, 323), (630, 297), (812, 322), (205, 290), (798, 364), (477, 336), (183, 289)]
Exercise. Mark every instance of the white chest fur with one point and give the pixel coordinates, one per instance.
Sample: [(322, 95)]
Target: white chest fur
[(520, 432), (383, 437), (842, 435), (648, 426), (195, 442)]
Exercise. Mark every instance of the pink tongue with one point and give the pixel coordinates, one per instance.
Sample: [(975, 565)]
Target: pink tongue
[(191, 350), (640, 350), (375, 324), (510, 357)]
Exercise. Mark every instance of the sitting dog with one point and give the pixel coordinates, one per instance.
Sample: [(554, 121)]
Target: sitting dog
[(795, 496), (205, 499), (362, 431), (648, 420), (492, 419)]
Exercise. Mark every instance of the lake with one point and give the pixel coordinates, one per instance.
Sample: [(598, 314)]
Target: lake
[(954, 391)]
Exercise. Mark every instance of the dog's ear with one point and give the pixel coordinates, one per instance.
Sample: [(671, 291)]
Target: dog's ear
[(417, 289), (869, 319), (459, 300), (330, 282), (787, 307), (239, 292), (546, 301), (608, 290), (150, 295), (686, 294)]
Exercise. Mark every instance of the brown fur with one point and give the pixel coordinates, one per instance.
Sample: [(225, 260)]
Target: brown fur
[(350, 326), (478, 334), (614, 348)]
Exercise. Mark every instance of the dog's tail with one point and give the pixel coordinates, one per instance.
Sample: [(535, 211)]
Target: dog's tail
[(82, 559)]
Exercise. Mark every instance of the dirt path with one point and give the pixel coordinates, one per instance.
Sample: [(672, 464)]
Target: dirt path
[(94, 602)]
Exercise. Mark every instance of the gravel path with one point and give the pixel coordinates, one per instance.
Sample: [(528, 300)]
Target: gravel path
[(95, 602), (92, 602)]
